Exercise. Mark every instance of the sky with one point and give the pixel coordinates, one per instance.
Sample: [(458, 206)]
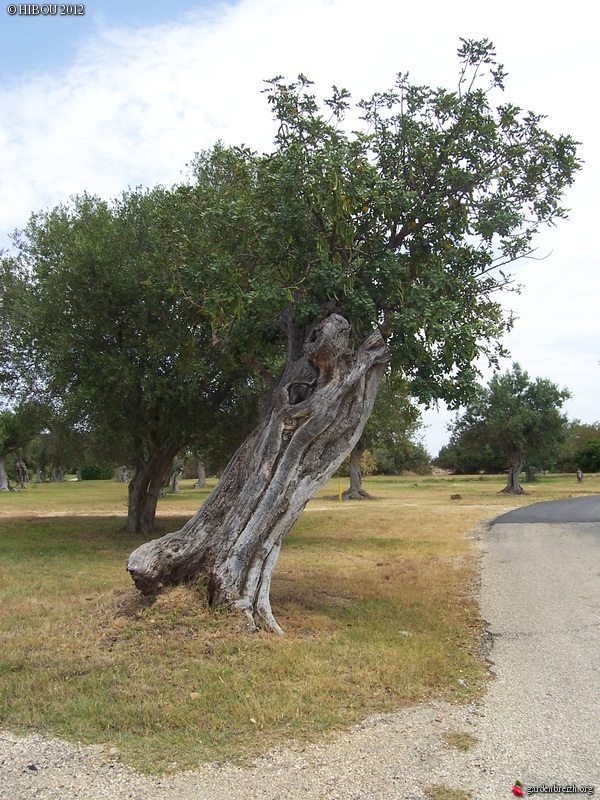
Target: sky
[(125, 93)]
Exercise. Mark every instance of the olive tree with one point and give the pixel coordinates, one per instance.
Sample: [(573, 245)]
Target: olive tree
[(113, 345), (18, 427), (513, 419), (358, 252)]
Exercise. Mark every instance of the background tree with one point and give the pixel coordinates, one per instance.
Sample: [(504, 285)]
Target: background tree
[(516, 419), (466, 455), (579, 439), (588, 456), (410, 454), (18, 427), (384, 246), (114, 346)]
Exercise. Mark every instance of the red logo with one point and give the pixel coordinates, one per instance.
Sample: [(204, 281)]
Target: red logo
[(517, 789)]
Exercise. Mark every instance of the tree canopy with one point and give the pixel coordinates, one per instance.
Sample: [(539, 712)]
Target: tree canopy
[(112, 344), (404, 225)]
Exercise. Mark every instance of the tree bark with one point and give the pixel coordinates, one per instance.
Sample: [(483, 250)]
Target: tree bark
[(201, 473), (515, 466), (3, 476), (175, 476), (21, 474), (313, 419), (145, 488), (356, 491)]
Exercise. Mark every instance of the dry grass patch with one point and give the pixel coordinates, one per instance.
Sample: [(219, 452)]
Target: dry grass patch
[(376, 600), (461, 740), (439, 792)]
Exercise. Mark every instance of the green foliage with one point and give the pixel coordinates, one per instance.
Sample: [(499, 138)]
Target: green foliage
[(97, 472), (125, 360), (405, 224), (579, 436), (369, 465), (20, 425), (513, 418), (408, 455), (588, 457), (468, 456), (390, 434)]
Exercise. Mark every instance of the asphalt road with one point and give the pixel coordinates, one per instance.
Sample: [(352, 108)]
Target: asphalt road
[(575, 509), (540, 596)]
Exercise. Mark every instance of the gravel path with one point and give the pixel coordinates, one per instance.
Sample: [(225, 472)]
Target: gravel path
[(539, 722)]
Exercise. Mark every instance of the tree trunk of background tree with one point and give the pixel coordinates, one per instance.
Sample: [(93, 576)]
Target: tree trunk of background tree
[(57, 475), (3, 476), (175, 476), (201, 473), (515, 465), (356, 491), (21, 474), (314, 418), (145, 488)]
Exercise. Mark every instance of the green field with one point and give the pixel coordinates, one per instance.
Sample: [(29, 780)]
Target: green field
[(376, 598)]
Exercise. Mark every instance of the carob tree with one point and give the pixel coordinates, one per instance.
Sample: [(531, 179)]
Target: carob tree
[(370, 250)]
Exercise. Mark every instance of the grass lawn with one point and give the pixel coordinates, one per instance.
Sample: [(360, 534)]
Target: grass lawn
[(376, 599)]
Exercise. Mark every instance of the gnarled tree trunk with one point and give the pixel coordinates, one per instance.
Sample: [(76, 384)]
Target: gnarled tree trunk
[(355, 490), (315, 416), (145, 488), (21, 474), (515, 466), (201, 473), (176, 474), (3, 476)]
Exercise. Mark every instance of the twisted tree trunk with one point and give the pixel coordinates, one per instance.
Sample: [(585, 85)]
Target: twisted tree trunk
[(201, 473), (355, 490), (175, 476), (145, 488), (315, 416), (515, 466), (3, 476)]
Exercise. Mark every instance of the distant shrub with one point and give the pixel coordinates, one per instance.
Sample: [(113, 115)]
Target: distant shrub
[(588, 458), (97, 472)]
